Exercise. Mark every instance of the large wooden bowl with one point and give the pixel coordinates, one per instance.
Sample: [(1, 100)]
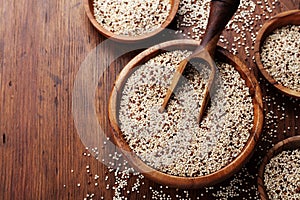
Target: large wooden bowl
[(290, 17), (291, 143), (176, 181), (89, 9)]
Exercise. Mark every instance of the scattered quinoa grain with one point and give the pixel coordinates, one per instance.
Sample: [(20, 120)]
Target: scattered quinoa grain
[(192, 16)]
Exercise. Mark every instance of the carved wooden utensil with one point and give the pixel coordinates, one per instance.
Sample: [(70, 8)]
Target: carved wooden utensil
[(221, 12)]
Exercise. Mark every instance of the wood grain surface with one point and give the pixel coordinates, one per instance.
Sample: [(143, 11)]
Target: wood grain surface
[(53, 104)]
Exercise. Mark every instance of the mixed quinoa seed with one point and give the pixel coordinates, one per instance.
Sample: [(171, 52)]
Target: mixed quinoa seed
[(282, 175), (131, 18), (173, 142), (280, 55)]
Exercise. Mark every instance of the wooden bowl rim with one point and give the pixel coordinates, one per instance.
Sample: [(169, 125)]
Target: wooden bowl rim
[(269, 26), (187, 182), (129, 39), (283, 145)]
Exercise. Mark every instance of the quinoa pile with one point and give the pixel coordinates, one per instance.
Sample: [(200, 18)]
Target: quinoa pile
[(282, 175), (280, 55), (173, 142), (131, 18)]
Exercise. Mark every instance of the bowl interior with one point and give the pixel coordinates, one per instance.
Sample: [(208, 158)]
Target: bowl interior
[(291, 143), (176, 181), (280, 20), (89, 9)]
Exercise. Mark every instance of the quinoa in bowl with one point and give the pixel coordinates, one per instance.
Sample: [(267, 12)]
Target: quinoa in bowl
[(170, 147)]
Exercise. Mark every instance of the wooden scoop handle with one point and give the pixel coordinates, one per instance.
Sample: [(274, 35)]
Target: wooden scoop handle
[(221, 11)]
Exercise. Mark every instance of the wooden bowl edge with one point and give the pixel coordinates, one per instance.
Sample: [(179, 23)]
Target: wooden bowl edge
[(129, 39), (276, 149), (265, 30), (213, 178)]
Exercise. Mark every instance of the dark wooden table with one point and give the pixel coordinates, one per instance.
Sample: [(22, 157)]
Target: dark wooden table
[(53, 104)]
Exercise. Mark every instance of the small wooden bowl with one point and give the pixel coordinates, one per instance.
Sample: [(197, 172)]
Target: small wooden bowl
[(291, 143), (283, 19), (171, 180), (89, 9)]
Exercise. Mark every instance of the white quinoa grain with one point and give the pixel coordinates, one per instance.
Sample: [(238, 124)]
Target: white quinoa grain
[(280, 55), (131, 17)]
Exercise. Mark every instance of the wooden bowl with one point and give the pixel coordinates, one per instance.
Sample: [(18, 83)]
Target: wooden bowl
[(286, 18), (176, 181), (89, 9), (291, 143)]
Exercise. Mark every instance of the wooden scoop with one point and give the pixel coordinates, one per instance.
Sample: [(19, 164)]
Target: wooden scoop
[(221, 12)]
